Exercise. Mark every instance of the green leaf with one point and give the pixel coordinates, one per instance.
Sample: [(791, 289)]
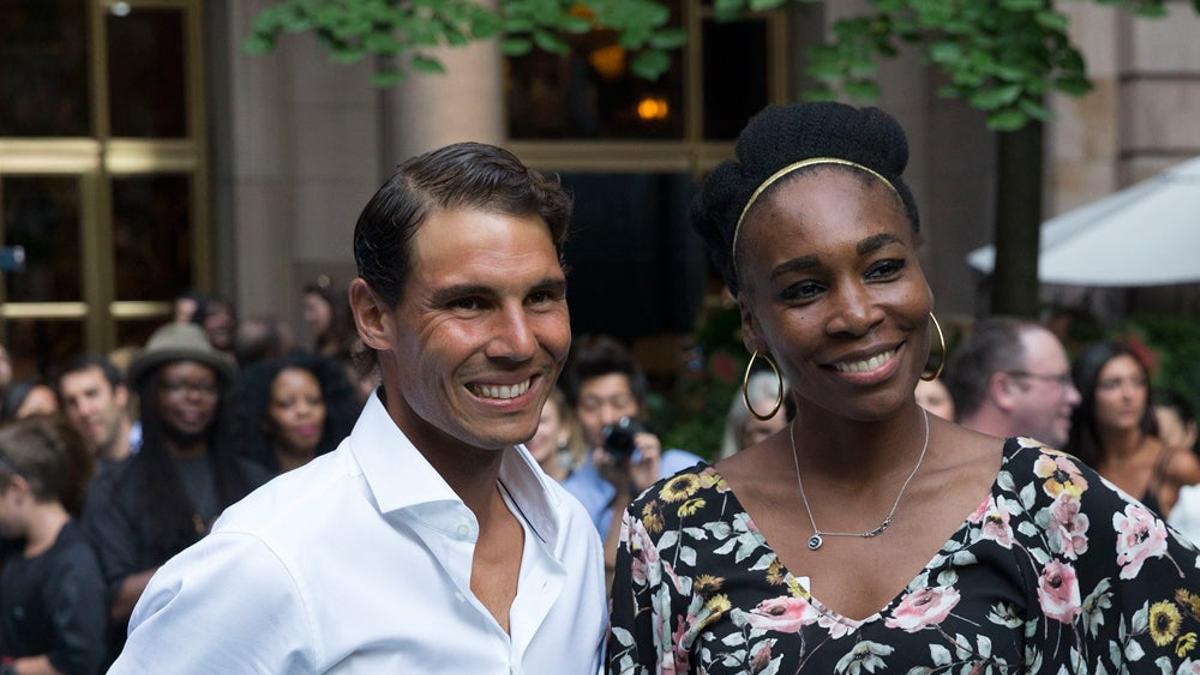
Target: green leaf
[(864, 90), (672, 38), (1034, 109), (515, 46), (548, 42), (428, 65), (1053, 20), (764, 5), (945, 53), (1075, 86), (1007, 120), (650, 64), (347, 55), (998, 97), (382, 43), (387, 78), (574, 24), (257, 44), (820, 94)]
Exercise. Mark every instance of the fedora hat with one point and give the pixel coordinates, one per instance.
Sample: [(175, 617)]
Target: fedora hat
[(180, 342)]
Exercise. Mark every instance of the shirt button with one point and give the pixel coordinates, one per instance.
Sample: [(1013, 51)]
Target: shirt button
[(464, 530)]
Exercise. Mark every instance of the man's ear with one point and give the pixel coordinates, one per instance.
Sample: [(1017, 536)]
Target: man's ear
[(1002, 391), (121, 396), (370, 316)]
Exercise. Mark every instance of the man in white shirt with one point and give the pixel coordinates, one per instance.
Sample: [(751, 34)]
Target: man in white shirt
[(429, 541)]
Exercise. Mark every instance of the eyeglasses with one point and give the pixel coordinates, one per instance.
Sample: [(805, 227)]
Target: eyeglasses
[(181, 388), (1063, 380)]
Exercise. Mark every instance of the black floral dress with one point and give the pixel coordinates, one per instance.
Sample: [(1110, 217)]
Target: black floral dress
[(1057, 571)]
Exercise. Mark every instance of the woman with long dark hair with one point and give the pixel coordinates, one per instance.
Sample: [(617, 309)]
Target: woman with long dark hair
[(187, 471), (1115, 431), (869, 534), (287, 411)]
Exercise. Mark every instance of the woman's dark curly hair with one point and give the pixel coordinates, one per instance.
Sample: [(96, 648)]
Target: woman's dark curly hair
[(784, 134), (251, 402)]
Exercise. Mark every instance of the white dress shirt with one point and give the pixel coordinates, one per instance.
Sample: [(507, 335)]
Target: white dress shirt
[(360, 562)]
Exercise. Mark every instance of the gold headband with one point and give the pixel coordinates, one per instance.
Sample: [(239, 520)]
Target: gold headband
[(795, 166)]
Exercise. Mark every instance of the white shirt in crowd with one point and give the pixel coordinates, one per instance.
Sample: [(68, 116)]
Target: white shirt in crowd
[(360, 562)]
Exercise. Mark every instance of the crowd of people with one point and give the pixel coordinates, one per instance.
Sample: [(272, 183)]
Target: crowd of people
[(825, 532), (108, 472)]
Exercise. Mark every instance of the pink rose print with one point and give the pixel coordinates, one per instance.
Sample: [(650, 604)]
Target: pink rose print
[(783, 615), (1058, 592), (1067, 532), (995, 518), (1140, 536), (924, 608), (760, 655), (641, 545)]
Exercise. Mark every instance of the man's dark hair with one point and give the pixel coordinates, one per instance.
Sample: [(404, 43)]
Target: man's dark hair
[(598, 356), (993, 346), (86, 362), (463, 175)]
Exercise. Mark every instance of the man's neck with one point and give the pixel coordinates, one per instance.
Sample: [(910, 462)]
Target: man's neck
[(472, 473), (118, 449), (45, 524), (991, 421)]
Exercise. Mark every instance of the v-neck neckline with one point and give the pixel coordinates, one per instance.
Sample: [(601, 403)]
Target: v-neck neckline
[(792, 581)]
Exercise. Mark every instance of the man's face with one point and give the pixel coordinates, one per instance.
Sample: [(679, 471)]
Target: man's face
[(1044, 394), (481, 333), (604, 400), (93, 406), (188, 393)]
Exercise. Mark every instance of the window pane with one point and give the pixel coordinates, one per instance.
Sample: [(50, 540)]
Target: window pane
[(133, 333), (146, 74), (41, 213), (591, 93), (43, 68), (735, 75), (38, 347), (635, 266), (152, 236)]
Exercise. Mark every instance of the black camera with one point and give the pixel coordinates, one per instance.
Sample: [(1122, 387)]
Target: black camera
[(619, 437)]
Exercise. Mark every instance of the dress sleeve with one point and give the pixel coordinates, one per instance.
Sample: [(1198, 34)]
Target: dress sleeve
[(226, 605), (631, 643), (78, 609), (1112, 579)]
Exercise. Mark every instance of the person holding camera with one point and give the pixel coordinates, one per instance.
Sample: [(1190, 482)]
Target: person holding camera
[(607, 390)]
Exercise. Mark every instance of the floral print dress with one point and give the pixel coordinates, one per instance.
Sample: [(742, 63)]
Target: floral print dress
[(1057, 571)]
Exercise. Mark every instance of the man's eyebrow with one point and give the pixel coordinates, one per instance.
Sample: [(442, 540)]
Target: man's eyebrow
[(444, 295), (876, 242), (557, 286), (800, 264)]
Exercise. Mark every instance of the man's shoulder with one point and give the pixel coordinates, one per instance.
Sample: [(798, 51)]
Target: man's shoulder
[(292, 506)]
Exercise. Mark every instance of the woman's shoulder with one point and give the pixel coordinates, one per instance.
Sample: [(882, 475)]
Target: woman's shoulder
[(685, 494)]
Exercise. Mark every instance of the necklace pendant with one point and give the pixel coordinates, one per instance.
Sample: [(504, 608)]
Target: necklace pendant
[(814, 542)]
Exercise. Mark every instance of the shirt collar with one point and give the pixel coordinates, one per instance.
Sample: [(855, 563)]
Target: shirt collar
[(400, 477)]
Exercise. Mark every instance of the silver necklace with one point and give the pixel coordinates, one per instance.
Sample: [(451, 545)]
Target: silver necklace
[(817, 538)]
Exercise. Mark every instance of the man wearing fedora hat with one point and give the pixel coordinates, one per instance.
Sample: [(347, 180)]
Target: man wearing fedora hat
[(166, 497), (429, 541)]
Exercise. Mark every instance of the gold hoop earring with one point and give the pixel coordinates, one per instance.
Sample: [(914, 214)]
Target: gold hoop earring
[(941, 361), (746, 391)]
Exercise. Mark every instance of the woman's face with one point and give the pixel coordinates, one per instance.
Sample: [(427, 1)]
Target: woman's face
[(297, 410), (550, 432), (317, 313), (933, 396), (1121, 391), (832, 288)]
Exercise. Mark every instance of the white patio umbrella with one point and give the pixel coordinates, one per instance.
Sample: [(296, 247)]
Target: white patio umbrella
[(1145, 235)]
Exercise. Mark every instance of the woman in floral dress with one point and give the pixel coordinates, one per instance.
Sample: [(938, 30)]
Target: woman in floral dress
[(868, 535)]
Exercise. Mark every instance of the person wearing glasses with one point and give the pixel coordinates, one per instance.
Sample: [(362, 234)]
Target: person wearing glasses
[(1011, 378), (167, 496), (1114, 430)]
